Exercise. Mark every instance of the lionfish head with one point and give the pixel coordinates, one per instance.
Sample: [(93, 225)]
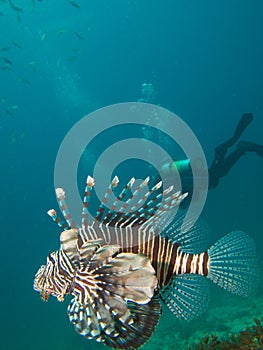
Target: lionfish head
[(46, 281), (40, 282)]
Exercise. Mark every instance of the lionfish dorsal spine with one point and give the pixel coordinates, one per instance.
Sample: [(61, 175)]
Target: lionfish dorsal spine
[(61, 223), (105, 199), (86, 201), (121, 196), (60, 194)]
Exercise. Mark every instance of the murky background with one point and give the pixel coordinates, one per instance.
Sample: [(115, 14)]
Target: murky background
[(58, 62)]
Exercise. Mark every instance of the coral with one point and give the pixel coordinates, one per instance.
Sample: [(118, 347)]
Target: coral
[(250, 338)]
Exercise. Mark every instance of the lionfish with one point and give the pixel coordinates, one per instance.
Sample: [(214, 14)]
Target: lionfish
[(132, 256)]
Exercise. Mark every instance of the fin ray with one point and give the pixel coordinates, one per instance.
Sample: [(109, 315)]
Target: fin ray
[(233, 264), (187, 296)]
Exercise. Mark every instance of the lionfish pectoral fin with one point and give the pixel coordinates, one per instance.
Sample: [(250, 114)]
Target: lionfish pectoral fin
[(187, 296), (87, 251), (233, 264), (96, 320), (102, 256), (130, 276), (118, 324), (145, 319)]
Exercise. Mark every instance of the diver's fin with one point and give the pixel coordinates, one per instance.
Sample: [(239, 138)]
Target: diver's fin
[(187, 296), (245, 120), (247, 146), (233, 264)]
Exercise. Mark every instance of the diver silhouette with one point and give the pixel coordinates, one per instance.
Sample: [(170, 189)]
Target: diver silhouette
[(223, 160)]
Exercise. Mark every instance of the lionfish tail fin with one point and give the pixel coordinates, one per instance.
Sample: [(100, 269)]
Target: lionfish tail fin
[(233, 264)]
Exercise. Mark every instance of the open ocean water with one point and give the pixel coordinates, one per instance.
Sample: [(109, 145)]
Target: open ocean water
[(59, 61)]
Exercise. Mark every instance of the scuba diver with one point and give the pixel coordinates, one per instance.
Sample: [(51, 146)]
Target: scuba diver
[(223, 160)]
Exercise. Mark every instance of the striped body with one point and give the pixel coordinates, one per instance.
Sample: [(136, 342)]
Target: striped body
[(165, 256)]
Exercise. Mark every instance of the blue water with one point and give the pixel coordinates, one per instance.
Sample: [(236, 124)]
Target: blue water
[(204, 60)]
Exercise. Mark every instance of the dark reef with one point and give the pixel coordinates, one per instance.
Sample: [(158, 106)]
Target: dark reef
[(250, 338)]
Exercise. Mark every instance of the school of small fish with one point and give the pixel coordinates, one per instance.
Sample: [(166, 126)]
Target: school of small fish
[(8, 51)]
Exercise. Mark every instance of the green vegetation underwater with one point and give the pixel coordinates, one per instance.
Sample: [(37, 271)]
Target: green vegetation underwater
[(62, 60)]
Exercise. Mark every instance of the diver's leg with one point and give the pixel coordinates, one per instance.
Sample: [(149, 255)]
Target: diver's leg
[(242, 148), (220, 170), (221, 164), (221, 150), (230, 161), (248, 146)]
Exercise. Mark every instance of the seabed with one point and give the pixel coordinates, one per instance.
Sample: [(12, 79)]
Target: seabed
[(224, 319)]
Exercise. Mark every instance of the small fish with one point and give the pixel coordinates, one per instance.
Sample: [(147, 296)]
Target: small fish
[(13, 107), (18, 17), (43, 36), (15, 8), (7, 110), (58, 62), (33, 65), (75, 4), (71, 59), (79, 36), (15, 44), (6, 68), (119, 265), (62, 31), (16, 136), (13, 137), (5, 48), (6, 60), (25, 81)]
